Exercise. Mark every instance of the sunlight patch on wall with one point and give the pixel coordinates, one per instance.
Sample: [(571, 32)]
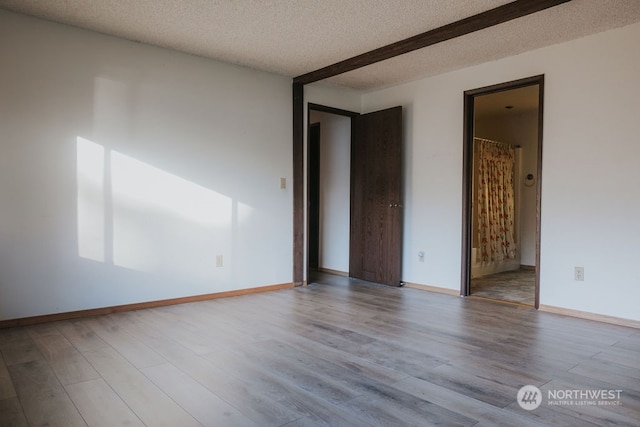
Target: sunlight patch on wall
[(138, 216), (164, 223), (90, 183), (244, 211), (136, 182)]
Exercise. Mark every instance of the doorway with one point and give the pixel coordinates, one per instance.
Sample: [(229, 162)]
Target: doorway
[(502, 156), (354, 192), (329, 151)]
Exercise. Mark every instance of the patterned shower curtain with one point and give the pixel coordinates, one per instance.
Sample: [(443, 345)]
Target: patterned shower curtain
[(496, 201)]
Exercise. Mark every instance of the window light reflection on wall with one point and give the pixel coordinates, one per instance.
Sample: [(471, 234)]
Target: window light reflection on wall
[(138, 216)]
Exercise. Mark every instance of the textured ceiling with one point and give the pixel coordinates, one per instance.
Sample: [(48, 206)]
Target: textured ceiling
[(293, 37)]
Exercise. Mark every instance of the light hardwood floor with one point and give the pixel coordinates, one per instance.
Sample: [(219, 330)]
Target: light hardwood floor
[(339, 353)]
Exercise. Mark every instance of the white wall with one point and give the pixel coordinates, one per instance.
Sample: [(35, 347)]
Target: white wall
[(335, 179), (590, 200), (126, 169)]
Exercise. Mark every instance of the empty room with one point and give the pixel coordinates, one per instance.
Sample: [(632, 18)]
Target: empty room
[(304, 213)]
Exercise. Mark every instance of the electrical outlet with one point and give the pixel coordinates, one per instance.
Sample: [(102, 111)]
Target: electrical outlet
[(283, 183), (579, 274), (219, 261)]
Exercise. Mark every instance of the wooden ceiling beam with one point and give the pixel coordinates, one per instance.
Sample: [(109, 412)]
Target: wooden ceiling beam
[(507, 12)]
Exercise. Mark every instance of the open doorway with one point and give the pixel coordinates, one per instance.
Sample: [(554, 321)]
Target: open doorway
[(503, 135), (355, 201), (329, 157)]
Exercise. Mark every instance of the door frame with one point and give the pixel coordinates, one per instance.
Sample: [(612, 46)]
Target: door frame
[(467, 168), (324, 109)]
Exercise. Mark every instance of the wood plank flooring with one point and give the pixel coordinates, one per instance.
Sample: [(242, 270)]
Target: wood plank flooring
[(339, 352)]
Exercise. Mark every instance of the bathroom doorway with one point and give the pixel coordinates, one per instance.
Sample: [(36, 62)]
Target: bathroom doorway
[(503, 152)]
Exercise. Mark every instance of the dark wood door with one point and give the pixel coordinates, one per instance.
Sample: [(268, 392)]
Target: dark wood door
[(376, 197)]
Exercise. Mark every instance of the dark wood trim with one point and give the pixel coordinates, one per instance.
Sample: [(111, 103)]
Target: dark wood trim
[(499, 15), (331, 110), (467, 155), (539, 185), (298, 184), (137, 306), (501, 87)]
